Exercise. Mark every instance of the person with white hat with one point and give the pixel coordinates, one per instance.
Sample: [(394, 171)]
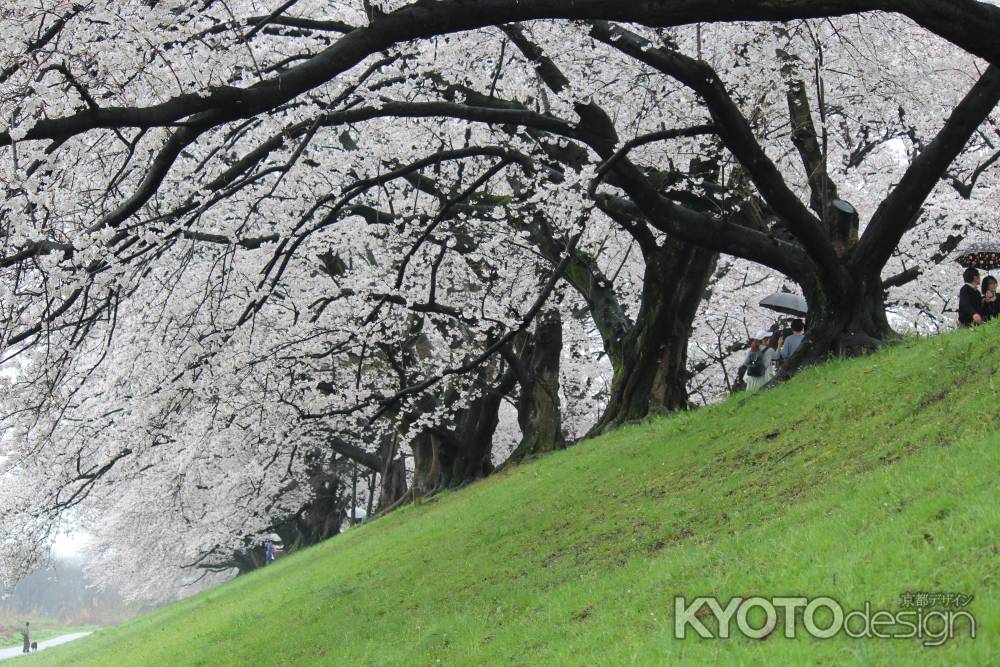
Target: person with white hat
[(759, 363)]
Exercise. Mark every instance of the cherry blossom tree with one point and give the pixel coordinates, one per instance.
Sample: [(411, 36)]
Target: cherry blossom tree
[(250, 247)]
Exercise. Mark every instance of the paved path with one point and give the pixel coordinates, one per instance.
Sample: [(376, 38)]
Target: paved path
[(6, 653)]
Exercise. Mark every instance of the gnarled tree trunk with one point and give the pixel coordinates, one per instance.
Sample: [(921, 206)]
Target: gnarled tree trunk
[(848, 322), (393, 483), (650, 365), (451, 457), (538, 411)]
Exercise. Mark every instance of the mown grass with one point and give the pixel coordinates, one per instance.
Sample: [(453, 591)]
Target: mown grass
[(862, 480)]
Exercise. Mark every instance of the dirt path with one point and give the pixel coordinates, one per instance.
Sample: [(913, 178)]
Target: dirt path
[(13, 652)]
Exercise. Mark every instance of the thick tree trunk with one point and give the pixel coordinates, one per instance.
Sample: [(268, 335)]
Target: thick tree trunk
[(442, 460), (249, 560), (318, 520), (447, 458), (428, 474), (650, 368), (468, 449), (842, 324), (538, 411), (393, 483)]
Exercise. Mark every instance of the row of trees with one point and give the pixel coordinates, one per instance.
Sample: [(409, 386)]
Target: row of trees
[(254, 254)]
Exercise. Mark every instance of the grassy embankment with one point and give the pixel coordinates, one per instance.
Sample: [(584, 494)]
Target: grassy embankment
[(862, 480)]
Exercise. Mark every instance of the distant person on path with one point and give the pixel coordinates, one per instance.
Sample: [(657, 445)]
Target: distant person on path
[(271, 550), (991, 305), (760, 361), (26, 636), (792, 342), (970, 302)]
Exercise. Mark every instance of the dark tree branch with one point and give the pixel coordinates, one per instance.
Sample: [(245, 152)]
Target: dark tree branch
[(902, 278), (355, 453), (248, 243), (894, 216), (597, 130), (390, 402), (969, 24), (964, 188), (738, 137), (318, 25), (821, 187), (662, 135), (41, 41)]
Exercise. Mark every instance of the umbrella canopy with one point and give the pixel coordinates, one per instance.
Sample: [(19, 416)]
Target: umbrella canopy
[(985, 256), (787, 303)]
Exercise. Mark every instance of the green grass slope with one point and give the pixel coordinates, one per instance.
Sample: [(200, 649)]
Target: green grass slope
[(861, 480)]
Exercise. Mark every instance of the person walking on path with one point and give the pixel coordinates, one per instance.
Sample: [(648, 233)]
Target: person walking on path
[(268, 552), (792, 342), (970, 301), (26, 636), (991, 305), (760, 361)]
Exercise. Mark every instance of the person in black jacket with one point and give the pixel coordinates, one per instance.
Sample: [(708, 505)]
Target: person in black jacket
[(970, 302), (991, 304)]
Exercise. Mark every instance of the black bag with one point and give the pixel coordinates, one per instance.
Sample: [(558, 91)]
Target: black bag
[(755, 365)]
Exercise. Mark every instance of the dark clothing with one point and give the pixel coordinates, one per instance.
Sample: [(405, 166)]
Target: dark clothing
[(970, 302), (991, 309)]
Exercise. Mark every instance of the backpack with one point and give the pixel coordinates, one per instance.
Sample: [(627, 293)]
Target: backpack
[(755, 365)]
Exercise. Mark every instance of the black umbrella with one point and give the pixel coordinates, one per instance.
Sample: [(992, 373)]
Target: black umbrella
[(985, 256), (787, 303)]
